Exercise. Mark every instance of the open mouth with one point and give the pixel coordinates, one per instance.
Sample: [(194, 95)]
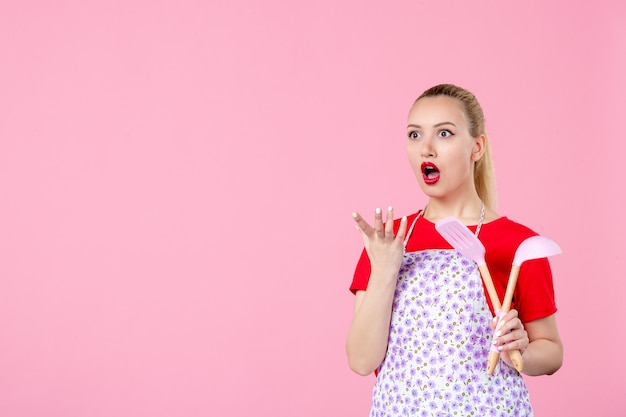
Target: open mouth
[(430, 173)]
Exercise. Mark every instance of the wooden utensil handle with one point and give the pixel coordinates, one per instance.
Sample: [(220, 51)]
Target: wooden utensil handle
[(492, 361), (491, 290), (510, 288), (515, 355), (516, 359)]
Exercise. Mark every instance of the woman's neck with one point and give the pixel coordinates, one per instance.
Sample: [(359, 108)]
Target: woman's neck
[(466, 210)]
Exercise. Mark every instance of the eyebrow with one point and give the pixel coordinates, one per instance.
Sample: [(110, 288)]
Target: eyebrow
[(435, 125)]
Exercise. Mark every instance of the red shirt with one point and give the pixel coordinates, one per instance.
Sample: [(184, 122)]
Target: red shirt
[(534, 293)]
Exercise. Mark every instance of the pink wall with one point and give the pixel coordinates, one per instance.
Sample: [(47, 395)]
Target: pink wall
[(177, 178)]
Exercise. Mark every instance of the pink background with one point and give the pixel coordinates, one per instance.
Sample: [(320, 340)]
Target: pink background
[(177, 178)]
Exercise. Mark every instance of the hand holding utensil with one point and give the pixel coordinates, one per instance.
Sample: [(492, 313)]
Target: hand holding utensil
[(535, 247)]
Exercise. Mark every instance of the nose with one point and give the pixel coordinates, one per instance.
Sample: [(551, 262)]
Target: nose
[(427, 150)]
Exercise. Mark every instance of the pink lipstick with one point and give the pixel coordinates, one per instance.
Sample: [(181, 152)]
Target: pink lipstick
[(430, 173)]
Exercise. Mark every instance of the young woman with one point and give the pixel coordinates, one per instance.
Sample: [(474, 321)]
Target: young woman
[(421, 318)]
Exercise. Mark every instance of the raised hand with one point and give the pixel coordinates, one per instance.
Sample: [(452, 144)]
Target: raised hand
[(384, 248)]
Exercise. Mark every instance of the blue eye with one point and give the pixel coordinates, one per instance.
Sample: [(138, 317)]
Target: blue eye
[(445, 133)]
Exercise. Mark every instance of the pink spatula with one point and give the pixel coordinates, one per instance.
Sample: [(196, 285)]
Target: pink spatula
[(535, 247), (465, 242)]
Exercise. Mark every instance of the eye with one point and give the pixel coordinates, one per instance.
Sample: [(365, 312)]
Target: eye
[(413, 134), (445, 133)]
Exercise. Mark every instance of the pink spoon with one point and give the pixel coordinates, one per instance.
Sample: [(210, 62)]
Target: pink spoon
[(535, 247)]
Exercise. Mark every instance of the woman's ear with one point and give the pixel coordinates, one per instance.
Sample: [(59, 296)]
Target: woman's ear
[(480, 144)]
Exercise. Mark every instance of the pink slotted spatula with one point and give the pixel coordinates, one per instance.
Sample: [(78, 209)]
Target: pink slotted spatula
[(467, 244)]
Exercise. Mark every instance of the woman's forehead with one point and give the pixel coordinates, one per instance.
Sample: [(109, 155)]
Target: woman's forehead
[(437, 109)]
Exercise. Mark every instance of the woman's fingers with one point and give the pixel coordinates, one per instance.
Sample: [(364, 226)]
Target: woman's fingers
[(384, 249), (517, 339), (361, 224), (378, 223), (389, 223), (509, 322), (381, 229), (511, 334), (402, 228)]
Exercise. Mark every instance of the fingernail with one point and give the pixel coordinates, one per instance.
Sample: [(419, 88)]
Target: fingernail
[(500, 348), (501, 323), (354, 215), (389, 208), (498, 333), (403, 218), (378, 210), (495, 341), (495, 319)]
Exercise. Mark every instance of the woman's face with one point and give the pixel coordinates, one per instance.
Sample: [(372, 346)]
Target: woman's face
[(441, 150)]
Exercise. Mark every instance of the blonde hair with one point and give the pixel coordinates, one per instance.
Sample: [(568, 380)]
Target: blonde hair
[(484, 174)]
